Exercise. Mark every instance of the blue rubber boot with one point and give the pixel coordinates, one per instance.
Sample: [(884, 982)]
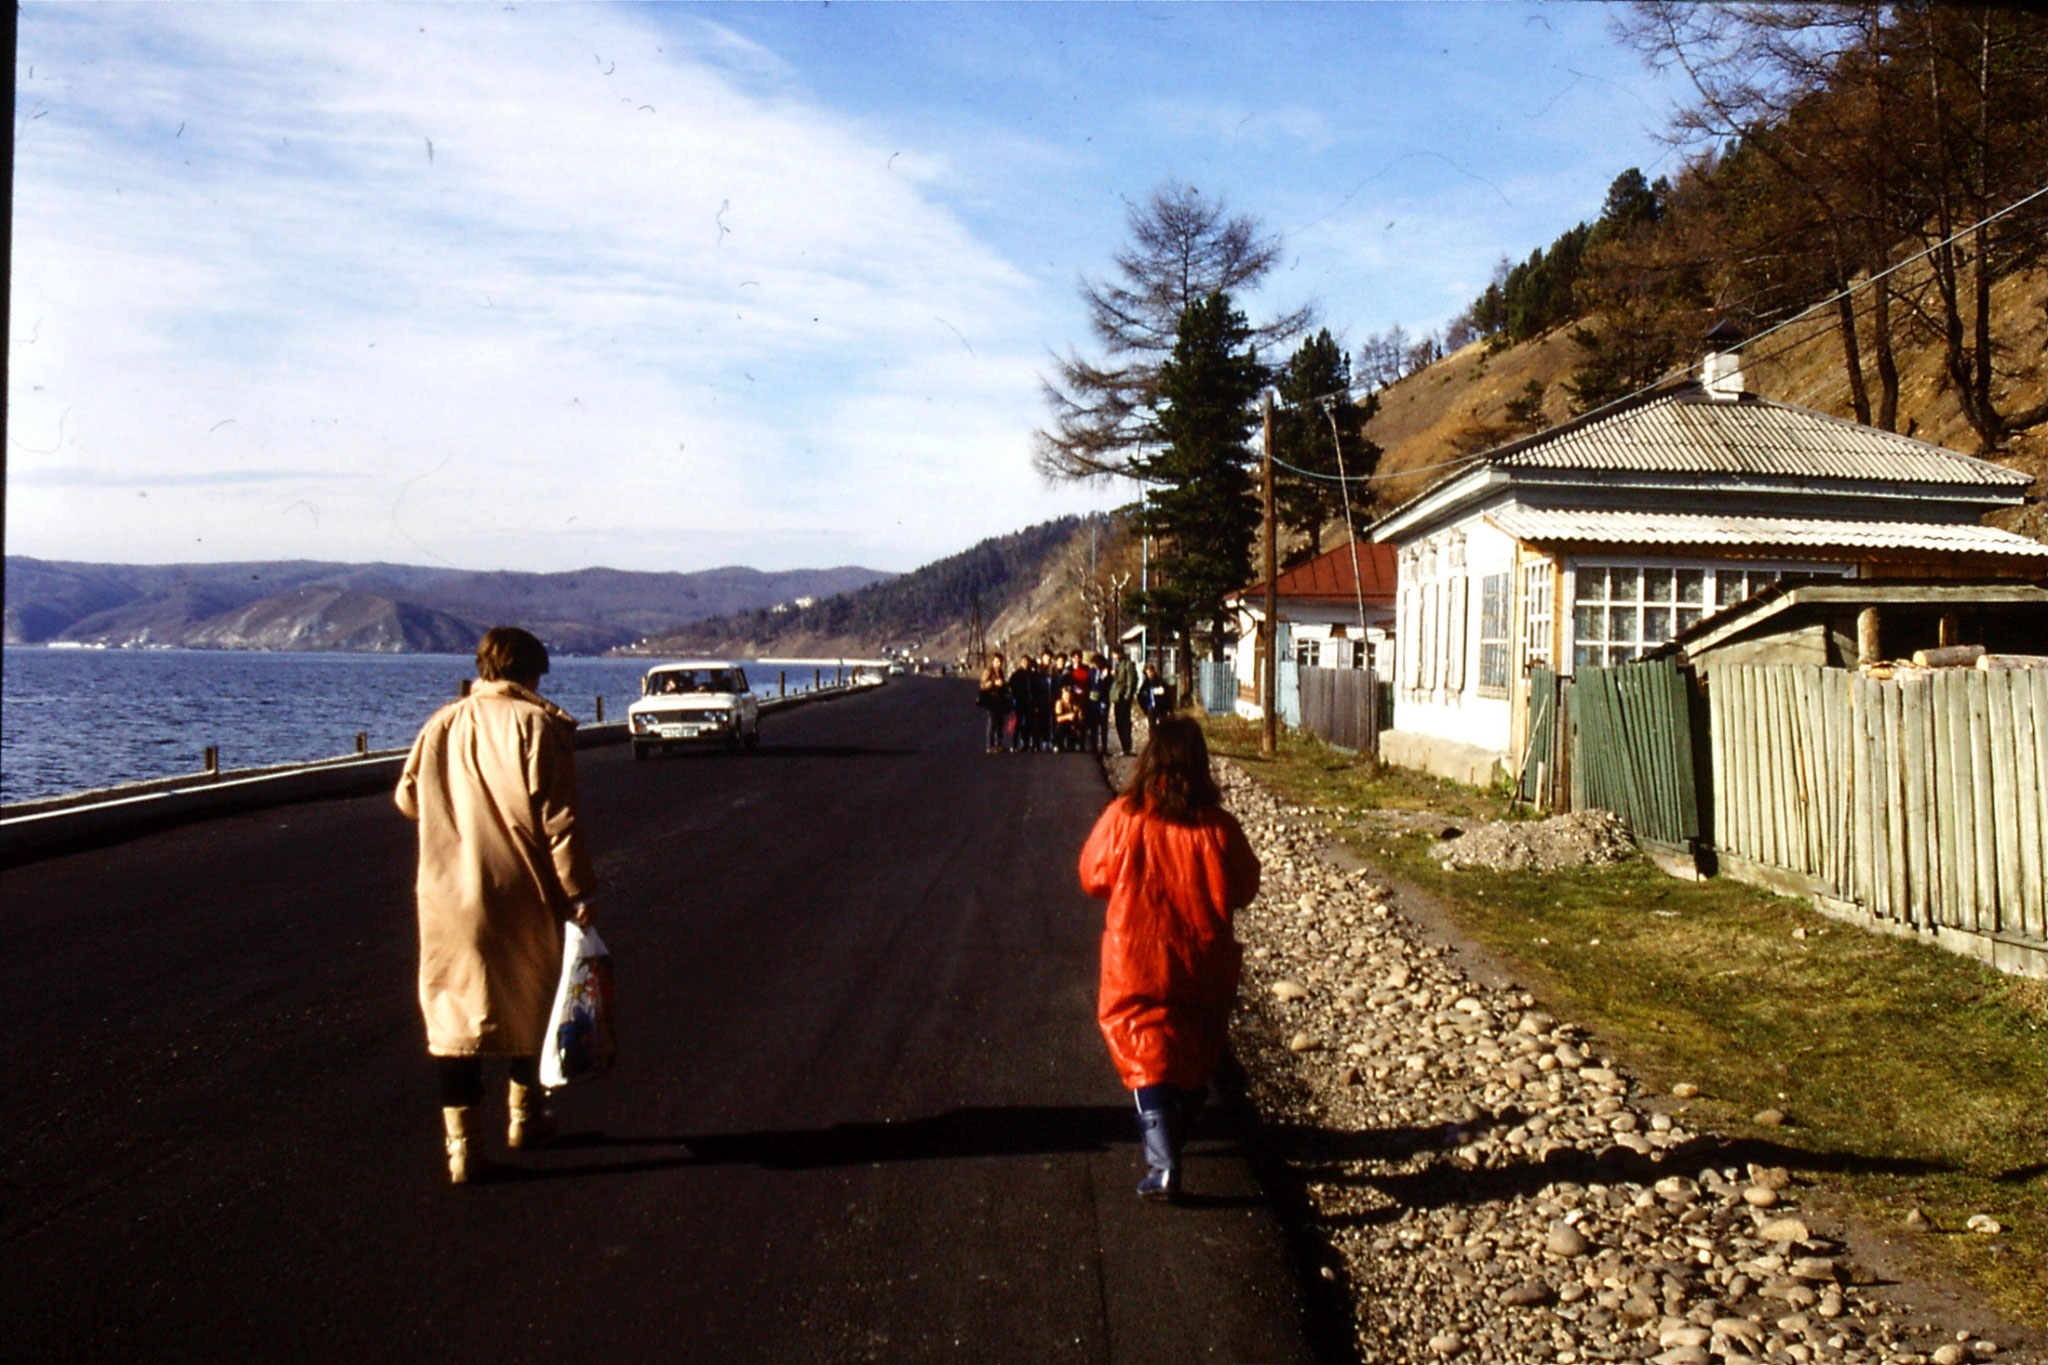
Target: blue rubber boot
[(1156, 1131)]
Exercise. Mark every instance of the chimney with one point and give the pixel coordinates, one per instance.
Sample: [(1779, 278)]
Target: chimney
[(1721, 367)]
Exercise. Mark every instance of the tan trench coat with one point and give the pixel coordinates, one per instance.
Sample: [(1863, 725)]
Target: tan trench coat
[(492, 782)]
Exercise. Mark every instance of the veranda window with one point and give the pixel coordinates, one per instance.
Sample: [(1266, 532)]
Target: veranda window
[(1623, 609), (1494, 625), (1536, 590)]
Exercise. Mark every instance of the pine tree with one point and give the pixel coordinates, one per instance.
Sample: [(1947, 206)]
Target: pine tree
[(1200, 509), (1314, 388)]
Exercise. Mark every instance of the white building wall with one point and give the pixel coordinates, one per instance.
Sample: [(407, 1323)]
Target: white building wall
[(1439, 691)]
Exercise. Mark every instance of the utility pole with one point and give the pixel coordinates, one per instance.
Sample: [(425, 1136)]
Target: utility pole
[(1116, 610), (1269, 629)]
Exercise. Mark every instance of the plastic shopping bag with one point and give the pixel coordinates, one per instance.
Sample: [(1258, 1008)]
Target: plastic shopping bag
[(579, 1043)]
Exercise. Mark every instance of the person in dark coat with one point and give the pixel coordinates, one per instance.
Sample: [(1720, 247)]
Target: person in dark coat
[(994, 699), (1043, 689), (1098, 705), (1155, 695), (1023, 704), (1123, 690)]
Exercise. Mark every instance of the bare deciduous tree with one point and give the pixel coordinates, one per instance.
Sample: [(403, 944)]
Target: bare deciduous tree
[(1184, 246)]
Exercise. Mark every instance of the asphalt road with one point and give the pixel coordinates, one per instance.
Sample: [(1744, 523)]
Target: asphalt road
[(861, 1110)]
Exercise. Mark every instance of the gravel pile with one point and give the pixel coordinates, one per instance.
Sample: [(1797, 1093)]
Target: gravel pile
[(1491, 1187), (1584, 838)]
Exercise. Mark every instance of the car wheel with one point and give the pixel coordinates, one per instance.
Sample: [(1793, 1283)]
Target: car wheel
[(753, 738), (640, 752)]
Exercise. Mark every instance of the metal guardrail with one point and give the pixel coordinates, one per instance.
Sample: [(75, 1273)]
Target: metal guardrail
[(31, 828)]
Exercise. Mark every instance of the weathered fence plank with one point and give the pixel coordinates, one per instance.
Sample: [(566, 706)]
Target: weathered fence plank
[(1862, 692), (1962, 915), (1895, 805), (1914, 732), (1978, 685), (2033, 838), (2004, 796)]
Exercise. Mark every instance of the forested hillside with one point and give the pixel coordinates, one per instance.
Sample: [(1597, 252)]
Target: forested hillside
[(932, 608), (1865, 199)]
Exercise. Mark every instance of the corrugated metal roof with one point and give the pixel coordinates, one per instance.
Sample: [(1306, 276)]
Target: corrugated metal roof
[(1681, 432), (1329, 575), (1755, 534)]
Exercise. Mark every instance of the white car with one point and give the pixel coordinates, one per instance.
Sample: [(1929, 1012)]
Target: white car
[(695, 701)]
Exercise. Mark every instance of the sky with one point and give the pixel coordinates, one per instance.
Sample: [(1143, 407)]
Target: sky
[(668, 287)]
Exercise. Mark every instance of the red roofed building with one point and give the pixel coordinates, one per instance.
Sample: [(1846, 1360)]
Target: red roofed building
[(1335, 611)]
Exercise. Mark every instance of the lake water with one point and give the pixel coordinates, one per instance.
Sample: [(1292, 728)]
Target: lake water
[(73, 719)]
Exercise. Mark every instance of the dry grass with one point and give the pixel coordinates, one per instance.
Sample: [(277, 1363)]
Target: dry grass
[(1913, 1077)]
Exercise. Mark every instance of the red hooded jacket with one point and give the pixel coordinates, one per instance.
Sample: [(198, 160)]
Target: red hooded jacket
[(1169, 960)]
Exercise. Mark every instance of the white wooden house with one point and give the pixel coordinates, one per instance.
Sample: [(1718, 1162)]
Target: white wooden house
[(1592, 542), (1334, 611)]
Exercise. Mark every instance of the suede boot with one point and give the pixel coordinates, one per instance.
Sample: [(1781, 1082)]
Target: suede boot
[(456, 1123), (532, 1123)]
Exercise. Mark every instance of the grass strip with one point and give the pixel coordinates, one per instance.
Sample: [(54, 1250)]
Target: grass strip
[(1912, 1077)]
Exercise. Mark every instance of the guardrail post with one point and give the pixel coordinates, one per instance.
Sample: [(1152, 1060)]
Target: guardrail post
[(212, 760), (600, 709), (362, 741), (782, 684)]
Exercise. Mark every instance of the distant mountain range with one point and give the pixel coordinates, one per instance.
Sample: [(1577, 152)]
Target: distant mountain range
[(384, 608)]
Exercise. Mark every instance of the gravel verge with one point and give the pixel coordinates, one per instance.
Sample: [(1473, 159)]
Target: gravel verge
[(1485, 1184)]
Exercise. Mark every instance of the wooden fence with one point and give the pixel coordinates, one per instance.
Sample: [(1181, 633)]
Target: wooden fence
[(1342, 706), (1632, 749), (1922, 800)]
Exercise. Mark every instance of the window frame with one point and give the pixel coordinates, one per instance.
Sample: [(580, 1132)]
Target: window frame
[(1539, 588), (1496, 632), (1614, 651)]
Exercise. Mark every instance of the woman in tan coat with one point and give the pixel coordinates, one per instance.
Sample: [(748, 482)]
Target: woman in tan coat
[(492, 782)]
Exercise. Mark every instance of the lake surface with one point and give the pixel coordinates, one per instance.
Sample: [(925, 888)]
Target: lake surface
[(75, 719)]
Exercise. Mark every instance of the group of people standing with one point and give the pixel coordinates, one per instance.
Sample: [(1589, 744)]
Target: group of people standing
[(1065, 703)]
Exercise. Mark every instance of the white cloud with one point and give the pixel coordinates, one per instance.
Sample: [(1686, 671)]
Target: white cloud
[(551, 286)]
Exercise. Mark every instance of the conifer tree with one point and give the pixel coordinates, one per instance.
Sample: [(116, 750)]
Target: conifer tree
[(1313, 388), (1200, 509)]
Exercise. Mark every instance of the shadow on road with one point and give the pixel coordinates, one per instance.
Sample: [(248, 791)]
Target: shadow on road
[(958, 1134)]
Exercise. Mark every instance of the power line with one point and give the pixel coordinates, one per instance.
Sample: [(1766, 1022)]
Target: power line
[(1686, 368)]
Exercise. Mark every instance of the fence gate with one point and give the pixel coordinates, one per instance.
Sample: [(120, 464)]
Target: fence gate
[(1632, 749), (1540, 780), (1342, 706), (1216, 686)]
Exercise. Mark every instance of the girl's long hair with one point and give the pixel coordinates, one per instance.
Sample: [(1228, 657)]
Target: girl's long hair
[(1171, 777)]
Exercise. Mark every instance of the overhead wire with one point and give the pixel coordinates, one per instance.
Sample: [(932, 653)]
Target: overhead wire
[(1676, 371)]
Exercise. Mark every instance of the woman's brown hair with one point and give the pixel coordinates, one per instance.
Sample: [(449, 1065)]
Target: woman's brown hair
[(1172, 777)]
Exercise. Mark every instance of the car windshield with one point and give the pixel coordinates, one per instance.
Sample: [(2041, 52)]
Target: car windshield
[(679, 681)]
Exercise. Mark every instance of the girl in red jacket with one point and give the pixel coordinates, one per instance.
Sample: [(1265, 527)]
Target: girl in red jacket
[(1174, 865)]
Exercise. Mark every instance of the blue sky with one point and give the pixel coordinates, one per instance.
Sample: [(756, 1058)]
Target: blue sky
[(675, 286)]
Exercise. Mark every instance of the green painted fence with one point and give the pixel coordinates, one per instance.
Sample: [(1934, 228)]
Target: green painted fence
[(1633, 732)]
